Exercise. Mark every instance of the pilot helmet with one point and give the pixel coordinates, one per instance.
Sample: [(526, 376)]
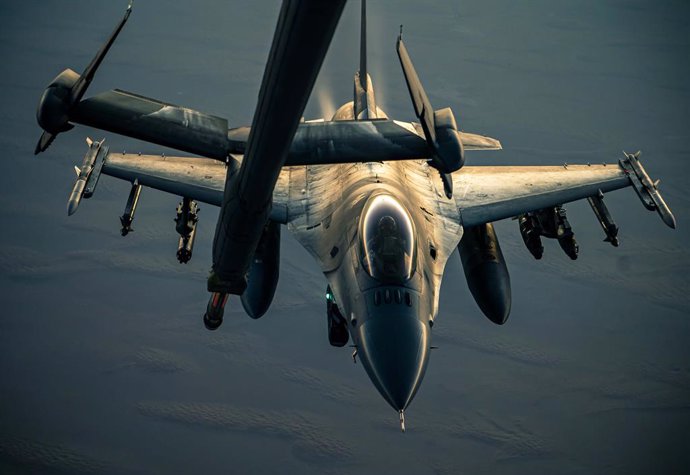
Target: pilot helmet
[(387, 225)]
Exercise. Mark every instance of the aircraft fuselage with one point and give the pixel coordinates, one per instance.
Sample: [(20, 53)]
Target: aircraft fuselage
[(385, 281)]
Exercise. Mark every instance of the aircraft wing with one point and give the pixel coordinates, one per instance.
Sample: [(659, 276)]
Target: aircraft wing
[(155, 121), (491, 193), (196, 178), (315, 143)]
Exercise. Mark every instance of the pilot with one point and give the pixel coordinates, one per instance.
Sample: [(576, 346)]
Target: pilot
[(388, 247)]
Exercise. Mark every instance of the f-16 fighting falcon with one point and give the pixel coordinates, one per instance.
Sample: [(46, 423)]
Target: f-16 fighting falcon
[(381, 204)]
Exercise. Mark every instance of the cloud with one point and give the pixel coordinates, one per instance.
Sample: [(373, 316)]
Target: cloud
[(26, 454), (312, 443)]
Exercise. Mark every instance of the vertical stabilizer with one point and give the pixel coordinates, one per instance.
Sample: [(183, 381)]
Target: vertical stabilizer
[(363, 49), (364, 101)]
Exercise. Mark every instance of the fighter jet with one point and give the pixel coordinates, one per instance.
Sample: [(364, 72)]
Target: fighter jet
[(380, 204)]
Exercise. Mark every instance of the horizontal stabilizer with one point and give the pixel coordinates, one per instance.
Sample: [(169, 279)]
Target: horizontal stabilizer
[(315, 143), (154, 121), (479, 142), (326, 143)]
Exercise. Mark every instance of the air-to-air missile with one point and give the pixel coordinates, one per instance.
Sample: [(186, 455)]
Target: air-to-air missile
[(130, 208), (87, 174), (646, 188), (604, 217)]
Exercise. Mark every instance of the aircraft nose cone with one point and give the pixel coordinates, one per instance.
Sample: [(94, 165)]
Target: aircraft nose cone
[(394, 351)]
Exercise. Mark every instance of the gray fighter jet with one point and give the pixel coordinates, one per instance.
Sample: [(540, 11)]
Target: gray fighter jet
[(380, 204)]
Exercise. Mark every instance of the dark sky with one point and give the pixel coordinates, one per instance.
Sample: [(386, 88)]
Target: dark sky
[(105, 366)]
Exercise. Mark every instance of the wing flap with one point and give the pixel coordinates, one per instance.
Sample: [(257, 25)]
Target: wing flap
[(485, 194)]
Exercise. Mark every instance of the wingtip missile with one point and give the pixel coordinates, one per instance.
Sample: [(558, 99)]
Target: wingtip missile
[(87, 174), (646, 188), (75, 196), (665, 212)]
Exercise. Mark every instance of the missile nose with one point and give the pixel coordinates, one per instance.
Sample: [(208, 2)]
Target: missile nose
[(394, 351), (72, 207), (75, 196)]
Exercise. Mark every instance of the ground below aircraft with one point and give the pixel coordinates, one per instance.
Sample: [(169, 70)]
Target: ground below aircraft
[(380, 204)]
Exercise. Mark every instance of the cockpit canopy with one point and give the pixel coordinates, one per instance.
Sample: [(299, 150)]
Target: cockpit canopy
[(387, 240)]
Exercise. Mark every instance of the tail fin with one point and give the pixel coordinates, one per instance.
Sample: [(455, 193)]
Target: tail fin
[(363, 48), (364, 100)]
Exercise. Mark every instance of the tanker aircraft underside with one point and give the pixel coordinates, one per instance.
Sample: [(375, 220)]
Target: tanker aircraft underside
[(380, 204)]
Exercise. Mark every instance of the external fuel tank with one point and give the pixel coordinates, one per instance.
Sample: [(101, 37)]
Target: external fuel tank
[(263, 272), (486, 272)]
